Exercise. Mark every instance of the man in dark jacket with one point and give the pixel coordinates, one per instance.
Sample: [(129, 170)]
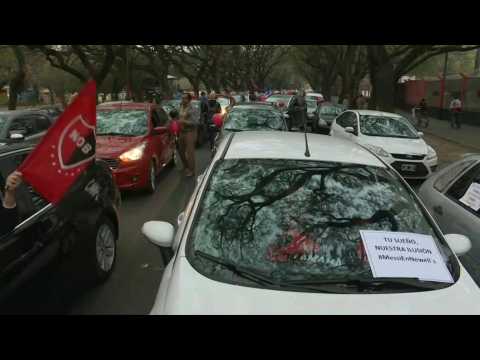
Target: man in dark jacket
[(297, 111), (213, 108), (8, 208)]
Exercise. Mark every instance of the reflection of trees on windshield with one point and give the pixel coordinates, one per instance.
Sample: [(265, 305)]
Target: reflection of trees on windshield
[(300, 217), (384, 126), (254, 120), (122, 122)]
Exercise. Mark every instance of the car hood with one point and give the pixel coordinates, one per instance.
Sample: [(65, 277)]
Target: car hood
[(189, 292), (396, 145), (109, 147)]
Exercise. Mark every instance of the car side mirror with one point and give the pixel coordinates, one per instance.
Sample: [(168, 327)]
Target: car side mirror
[(159, 233), (460, 244), (17, 136), (350, 130)]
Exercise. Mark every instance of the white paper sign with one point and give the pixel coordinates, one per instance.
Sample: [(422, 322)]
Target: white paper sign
[(472, 197), (404, 255)]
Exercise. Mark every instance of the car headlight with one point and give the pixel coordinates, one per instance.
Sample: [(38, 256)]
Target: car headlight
[(431, 154), (134, 154), (377, 150)]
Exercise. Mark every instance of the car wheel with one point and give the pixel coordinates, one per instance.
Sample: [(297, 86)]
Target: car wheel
[(100, 252), (152, 178)]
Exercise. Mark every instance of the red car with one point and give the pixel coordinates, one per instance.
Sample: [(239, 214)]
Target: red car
[(134, 140)]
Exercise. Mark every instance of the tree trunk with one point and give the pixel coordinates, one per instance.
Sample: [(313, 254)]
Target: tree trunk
[(384, 88), (16, 86)]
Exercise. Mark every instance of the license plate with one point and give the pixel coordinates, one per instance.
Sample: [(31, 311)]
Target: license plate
[(408, 167)]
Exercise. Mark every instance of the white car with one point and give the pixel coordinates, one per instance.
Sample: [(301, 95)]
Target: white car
[(390, 136), (272, 228), (315, 96)]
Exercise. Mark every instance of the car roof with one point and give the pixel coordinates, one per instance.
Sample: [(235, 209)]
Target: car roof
[(15, 113), (291, 145), (126, 106), (376, 113), (254, 106)]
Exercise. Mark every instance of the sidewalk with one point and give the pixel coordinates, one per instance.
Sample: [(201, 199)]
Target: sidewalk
[(467, 136)]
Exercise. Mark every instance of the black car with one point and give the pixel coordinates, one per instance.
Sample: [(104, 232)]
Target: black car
[(84, 226), (52, 111), (24, 125)]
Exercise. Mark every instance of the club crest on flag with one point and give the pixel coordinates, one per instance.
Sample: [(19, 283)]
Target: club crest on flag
[(67, 149), (77, 144)]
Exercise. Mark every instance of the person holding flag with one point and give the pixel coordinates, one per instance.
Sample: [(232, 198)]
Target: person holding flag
[(67, 149), (8, 208)]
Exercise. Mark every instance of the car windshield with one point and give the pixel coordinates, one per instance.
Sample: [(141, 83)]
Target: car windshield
[(173, 103), (251, 119), (297, 220), (385, 126), (311, 104), (122, 122), (279, 98), (224, 102), (330, 110)]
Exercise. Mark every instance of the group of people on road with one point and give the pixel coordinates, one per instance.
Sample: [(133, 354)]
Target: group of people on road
[(188, 123), (421, 113)]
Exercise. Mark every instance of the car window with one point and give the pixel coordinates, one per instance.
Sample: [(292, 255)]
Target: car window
[(162, 117), (26, 124), (446, 178), (122, 122), (345, 119), (330, 110), (43, 123), (460, 187), (155, 119), (300, 220), (385, 126), (311, 104), (248, 119)]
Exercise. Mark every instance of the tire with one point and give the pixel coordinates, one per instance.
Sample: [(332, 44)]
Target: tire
[(152, 178), (100, 252)]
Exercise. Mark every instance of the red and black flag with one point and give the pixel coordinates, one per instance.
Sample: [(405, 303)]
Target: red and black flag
[(67, 149)]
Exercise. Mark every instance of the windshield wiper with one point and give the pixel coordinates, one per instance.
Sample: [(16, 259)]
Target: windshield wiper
[(255, 276), (376, 283)]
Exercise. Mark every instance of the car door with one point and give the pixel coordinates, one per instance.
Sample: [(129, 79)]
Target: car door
[(24, 125), (343, 121), (41, 124), (161, 136), (457, 217), (25, 248)]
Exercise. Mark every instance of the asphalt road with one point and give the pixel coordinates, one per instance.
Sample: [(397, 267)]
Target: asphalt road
[(136, 278), (134, 283)]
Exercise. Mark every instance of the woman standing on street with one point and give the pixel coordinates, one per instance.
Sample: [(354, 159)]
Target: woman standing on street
[(188, 134)]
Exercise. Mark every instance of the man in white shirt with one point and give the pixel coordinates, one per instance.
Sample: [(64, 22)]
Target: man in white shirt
[(455, 109)]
